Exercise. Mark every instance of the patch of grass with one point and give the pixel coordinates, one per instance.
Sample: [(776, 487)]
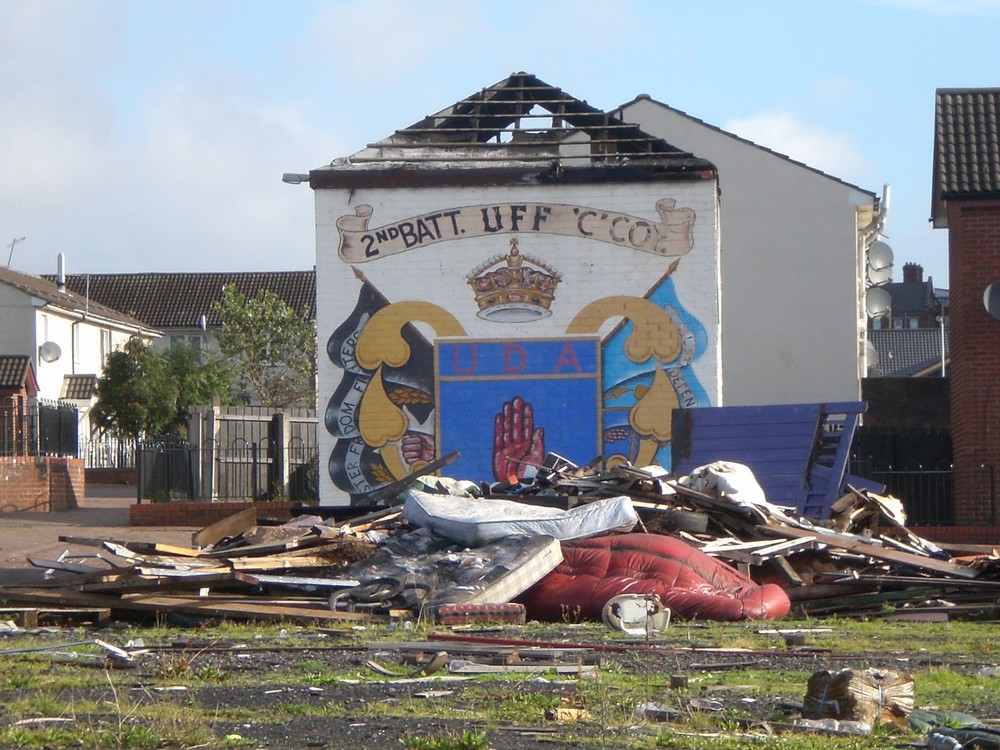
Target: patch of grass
[(467, 740), (948, 689), (114, 723), (504, 703)]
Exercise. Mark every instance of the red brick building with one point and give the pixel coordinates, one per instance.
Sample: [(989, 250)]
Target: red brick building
[(966, 201)]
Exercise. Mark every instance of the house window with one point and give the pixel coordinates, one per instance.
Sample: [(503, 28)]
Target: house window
[(105, 346), (897, 324), (195, 342)]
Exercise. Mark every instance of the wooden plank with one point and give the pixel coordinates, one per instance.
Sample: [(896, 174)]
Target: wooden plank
[(65, 565), (229, 526), (306, 582), (308, 539), (145, 579), (173, 549), (32, 617), (277, 562), (852, 544), (468, 667), (237, 608)]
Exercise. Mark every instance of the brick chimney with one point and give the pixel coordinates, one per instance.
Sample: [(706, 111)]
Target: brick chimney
[(913, 273)]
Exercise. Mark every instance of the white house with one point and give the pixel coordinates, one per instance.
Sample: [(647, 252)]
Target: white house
[(794, 243), (67, 337)]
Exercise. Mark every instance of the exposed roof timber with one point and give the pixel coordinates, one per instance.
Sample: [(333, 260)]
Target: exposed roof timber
[(496, 109)]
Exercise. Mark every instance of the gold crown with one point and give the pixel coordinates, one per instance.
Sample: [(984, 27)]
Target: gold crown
[(513, 288)]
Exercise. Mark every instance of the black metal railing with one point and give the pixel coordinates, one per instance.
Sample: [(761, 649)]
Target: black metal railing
[(39, 429), (241, 470), (925, 491)]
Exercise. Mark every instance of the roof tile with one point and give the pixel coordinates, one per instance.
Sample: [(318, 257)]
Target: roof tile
[(178, 300)]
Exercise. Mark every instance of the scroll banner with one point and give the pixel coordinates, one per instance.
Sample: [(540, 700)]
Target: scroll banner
[(673, 235)]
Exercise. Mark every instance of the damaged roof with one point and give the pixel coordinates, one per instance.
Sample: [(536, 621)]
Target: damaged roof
[(519, 124), (966, 147)]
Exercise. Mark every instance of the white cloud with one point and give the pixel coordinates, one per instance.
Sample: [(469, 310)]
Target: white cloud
[(837, 155)]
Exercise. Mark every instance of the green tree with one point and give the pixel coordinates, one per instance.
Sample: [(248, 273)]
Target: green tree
[(137, 394), (144, 392), (271, 345), (200, 378)]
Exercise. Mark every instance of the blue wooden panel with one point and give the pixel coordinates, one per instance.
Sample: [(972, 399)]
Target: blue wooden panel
[(797, 452)]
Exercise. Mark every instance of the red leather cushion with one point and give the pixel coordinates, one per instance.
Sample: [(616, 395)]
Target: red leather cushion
[(689, 582)]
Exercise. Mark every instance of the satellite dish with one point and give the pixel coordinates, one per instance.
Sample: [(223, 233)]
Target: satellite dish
[(879, 255), (879, 275), (991, 299), (49, 351), (878, 303)]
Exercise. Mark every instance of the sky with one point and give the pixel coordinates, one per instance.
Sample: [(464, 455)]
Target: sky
[(151, 135)]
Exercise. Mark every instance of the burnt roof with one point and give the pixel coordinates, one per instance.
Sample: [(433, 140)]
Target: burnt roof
[(178, 300), (966, 147), (521, 123)]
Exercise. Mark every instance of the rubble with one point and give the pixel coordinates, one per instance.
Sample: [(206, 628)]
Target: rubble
[(454, 551)]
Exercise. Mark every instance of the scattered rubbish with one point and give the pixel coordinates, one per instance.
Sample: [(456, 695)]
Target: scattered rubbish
[(953, 730), (871, 696), (726, 537), (429, 694), (439, 660), (655, 712), (833, 726), (39, 720), (110, 655), (636, 614), (567, 714)]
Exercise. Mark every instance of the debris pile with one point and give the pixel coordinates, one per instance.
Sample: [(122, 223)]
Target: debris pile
[(559, 546)]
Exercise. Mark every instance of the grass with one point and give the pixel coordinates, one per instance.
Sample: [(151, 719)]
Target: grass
[(104, 709), (467, 740)]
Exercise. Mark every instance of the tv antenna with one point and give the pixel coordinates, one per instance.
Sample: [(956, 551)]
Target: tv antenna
[(11, 253)]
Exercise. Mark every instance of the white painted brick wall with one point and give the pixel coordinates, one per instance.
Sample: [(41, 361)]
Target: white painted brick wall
[(590, 270)]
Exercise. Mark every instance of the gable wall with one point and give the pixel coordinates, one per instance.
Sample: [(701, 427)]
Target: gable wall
[(463, 380), (791, 263), (974, 263), (17, 316)]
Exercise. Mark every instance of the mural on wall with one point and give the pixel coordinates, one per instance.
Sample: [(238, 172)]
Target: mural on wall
[(503, 401)]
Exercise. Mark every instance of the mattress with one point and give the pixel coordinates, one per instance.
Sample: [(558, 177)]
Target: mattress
[(477, 521)]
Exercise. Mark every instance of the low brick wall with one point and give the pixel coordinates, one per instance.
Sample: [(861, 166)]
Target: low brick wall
[(41, 483), (204, 514)]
